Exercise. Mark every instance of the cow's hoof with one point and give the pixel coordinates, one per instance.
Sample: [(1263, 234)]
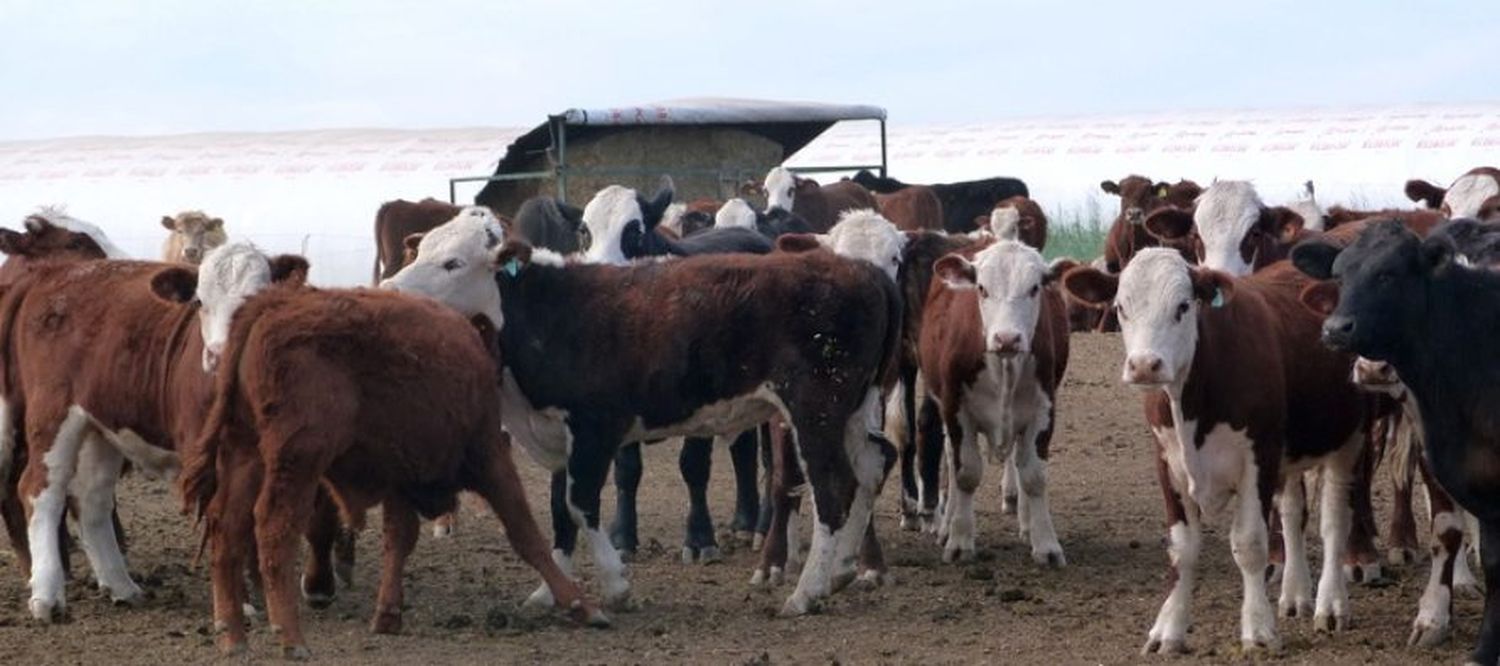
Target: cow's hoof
[(1427, 636), (1261, 645), (45, 610), (1050, 558), (1169, 646), (441, 530), (619, 601), (744, 536), (588, 615), (704, 555), (132, 599), (842, 580), (870, 579), (797, 606), (763, 578), (1363, 572), (1008, 505), (1293, 608), (1331, 623), (230, 647), (250, 611), (1401, 556), (758, 577), (386, 621), (295, 653), (317, 598), (956, 553), (541, 598), (757, 541)]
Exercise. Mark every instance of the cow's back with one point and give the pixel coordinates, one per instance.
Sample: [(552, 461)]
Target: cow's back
[(913, 208)]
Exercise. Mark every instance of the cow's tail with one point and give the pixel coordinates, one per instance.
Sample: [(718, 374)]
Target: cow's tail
[(199, 480)]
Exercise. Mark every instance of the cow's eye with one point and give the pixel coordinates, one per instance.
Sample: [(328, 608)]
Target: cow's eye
[(1034, 290), (452, 265), (983, 293), (1182, 309)]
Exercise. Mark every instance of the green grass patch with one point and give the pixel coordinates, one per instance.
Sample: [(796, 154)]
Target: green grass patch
[(1076, 233)]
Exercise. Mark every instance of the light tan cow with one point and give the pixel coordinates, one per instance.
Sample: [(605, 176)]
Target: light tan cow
[(194, 233)]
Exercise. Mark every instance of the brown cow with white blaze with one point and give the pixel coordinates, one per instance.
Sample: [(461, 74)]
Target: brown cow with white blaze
[(656, 350), (994, 347), (1475, 194), (1242, 399), (380, 398), (913, 208), (819, 205)]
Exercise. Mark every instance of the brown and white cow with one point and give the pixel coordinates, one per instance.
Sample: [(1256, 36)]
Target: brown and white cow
[(99, 380), (380, 398), (1475, 194), (193, 234), (994, 346), (1229, 227), (656, 350), (819, 205), (1242, 399), (1020, 218)]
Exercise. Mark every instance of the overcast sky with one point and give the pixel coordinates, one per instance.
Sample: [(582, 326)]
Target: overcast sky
[(168, 66)]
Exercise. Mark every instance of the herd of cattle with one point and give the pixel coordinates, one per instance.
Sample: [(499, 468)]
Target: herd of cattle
[(836, 333)]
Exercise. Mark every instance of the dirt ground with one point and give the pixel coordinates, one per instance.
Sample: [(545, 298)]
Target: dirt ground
[(464, 591)]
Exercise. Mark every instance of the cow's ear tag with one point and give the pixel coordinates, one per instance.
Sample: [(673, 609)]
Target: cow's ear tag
[(512, 267), (1218, 301)]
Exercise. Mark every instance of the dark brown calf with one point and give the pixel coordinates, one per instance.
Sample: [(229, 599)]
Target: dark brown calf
[(383, 398), (914, 208), (398, 219), (1139, 197)]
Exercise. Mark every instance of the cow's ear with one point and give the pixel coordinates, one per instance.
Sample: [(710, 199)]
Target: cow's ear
[(657, 207), (956, 272), (1437, 253), (168, 223), (1425, 192), (1315, 258), (412, 241), (511, 258), (1212, 287), (215, 224), (12, 242), (176, 284), (1059, 267), (1109, 187), (289, 269), (1169, 223), (798, 242), (1281, 222), (1090, 285), (1320, 297)]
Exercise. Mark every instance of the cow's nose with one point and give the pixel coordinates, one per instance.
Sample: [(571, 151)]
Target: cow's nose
[(192, 254), (1005, 343), (1134, 215), (210, 359), (1338, 331), (1144, 369)]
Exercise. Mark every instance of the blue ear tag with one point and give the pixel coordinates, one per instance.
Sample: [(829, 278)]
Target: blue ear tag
[(1218, 301), (511, 267)]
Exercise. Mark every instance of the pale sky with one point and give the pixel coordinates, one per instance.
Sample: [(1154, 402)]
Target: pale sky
[(168, 66)]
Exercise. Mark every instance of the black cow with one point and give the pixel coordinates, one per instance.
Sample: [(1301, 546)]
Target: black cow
[(1411, 302), (962, 202), (546, 222)]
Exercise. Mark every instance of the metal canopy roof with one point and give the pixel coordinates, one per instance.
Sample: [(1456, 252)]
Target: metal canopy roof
[(722, 111)]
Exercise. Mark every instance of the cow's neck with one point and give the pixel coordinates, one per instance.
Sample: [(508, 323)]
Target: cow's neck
[(1431, 358)]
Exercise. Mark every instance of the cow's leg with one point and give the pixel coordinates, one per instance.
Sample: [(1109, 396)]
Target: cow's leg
[(1435, 610), (281, 516), (1276, 554), (588, 465), (230, 527), (99, 466), (967, 471), (871, 557), (628, 471), (765, 445), (696, 464), (1361, 557), (900, 415), (1168, 634), (1488, 650), (1029, 457), (564, 540), (1248, 542), (1009, 495), (14, 515), (1296, 581), (930, 444), (1332, 609), (1401, 532), (870, 456), (831, 479), (318, 578), (500, 486), (786, 480), (44, 484), (745, 461), (401, 526)]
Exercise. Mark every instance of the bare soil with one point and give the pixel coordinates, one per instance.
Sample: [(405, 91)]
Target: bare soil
[(464, 591)]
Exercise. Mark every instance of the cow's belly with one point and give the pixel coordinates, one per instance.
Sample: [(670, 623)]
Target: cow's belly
[(726, 417), (543, 433), (1209, 474)]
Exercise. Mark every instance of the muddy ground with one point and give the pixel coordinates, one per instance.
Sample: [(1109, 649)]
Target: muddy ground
[(464, 591)]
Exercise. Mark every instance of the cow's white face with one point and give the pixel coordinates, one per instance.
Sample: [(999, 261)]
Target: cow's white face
[(60, 218), (864, 234), (455, 265), (229, 275), (607, 215), (1468, 194), (1227, 212), (1158, 318), (1009, 277), (1005, 223), (735, 213), (781, 189)]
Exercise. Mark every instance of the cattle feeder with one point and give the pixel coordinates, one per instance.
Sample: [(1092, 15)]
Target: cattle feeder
[(710, 146)]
